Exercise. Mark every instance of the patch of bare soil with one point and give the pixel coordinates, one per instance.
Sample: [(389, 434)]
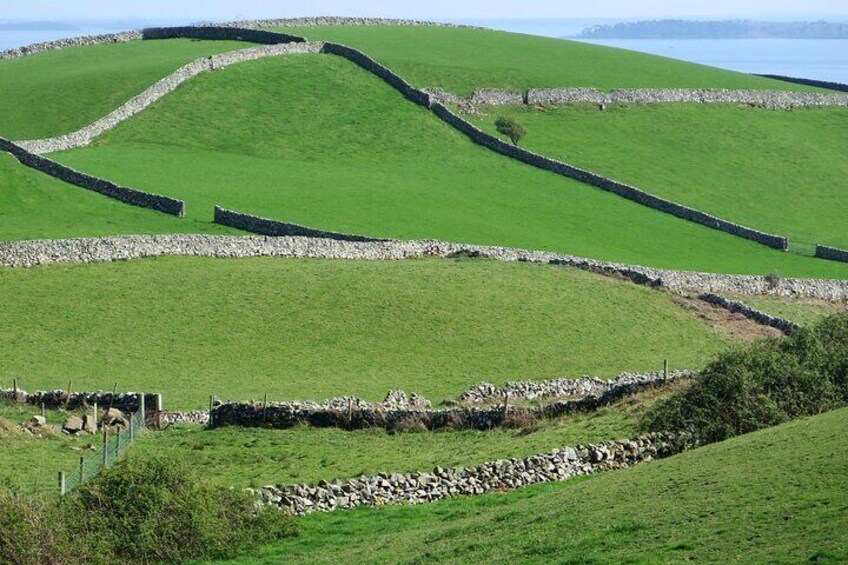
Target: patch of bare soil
[(732, 324)]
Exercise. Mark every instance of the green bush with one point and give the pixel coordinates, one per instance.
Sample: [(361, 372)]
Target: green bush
[(762, 384), (138, 512), (511, 128)]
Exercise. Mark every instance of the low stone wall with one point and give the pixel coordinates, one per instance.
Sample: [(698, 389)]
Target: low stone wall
[(118, 248), (125, 401), (337, 21), (219, 33), (810, 82), (763, 318), (158, 90), (124, 194), (629, 192), (276, 228), (397, 413), (771, 99), (831, 253), (70, 42), (536, 390), (493, 476)]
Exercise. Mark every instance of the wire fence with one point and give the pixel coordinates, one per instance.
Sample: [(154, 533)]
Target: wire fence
[(114, 444)]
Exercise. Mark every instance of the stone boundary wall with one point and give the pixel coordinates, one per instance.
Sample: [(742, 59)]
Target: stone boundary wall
[(620, 189), (770, 99), (219, 33), (83, 41), (492, 476), (276, 228), (397, 414), (161, 88), (126, 401), (123, 194), (338, 21), (810, 82), (763, 318), (480, 137), (831, 253), (119, 248)]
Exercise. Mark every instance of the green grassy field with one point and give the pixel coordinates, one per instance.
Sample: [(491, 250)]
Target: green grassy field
[(310, 454), (313, 329), (778, 171), (36, 206), (461, 60), (60, 91), (799, 310), (318, 141), (775, 496)]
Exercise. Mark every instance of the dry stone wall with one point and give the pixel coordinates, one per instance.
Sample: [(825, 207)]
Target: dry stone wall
[(126, 401), (505, 474), (399, 413), (771, 99), (831, 253), (118, 248), (220, 33), (161, 88), (810, 82), (276, 228), (337, 21), (124, 194), (763, 318), (70, 42)]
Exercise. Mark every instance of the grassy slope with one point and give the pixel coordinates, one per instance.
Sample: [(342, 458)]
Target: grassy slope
[(36, 206), (775, 496), (313, 329), (60, 91), (801, 311), (461, 60), (781, 172), (318, 141), (265, 457)]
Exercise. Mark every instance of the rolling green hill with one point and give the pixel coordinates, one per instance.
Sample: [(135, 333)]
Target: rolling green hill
[(775, 496), (316, 140), (461, 60), (36, 206), (778, 171), (58, 92), (313, 329)]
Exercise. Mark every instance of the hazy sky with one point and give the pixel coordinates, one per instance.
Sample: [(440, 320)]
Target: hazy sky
[(444, 9)]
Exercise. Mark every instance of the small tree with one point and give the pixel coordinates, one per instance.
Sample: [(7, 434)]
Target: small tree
[(511, 128)]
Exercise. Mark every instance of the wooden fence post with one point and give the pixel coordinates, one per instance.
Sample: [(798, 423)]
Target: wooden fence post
[(143, 409), (265, 409), (15, 388), (81, 469), (349, 412), (61, 483), (105, 447), (43, 411), (211, 401), (665, 371)]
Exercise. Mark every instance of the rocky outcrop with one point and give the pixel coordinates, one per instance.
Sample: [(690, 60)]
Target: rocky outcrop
[(92, 250), (763, 318), (831, 253), (276, 228), (161, 88), (506, 474), (124, 194)]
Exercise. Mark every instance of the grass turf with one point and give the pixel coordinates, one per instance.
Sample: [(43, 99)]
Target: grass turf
[(778, 171), (60, 91), (461, 60), (305, 454), (313, 329), (802, 311), (36, 206), (318, 141), (775, 496)]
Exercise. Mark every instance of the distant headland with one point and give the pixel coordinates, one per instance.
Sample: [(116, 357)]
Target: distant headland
[(728, 29)]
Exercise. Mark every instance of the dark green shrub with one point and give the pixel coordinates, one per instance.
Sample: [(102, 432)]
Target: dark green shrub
[(511, 128), (763, 384)]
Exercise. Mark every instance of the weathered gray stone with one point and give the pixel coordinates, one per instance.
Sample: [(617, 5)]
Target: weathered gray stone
[(73, 423)]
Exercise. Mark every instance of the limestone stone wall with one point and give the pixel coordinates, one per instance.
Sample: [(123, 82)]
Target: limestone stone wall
[(336, 21), (117, 248), (69, 42), (168, 84), (124, 194), (218, 33), (126, 401), (276, 228), (832, 253), (810, 82), (763, 318), (505, 474)]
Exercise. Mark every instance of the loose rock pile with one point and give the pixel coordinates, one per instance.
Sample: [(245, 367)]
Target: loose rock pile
[(90, 250), (419, 488)]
